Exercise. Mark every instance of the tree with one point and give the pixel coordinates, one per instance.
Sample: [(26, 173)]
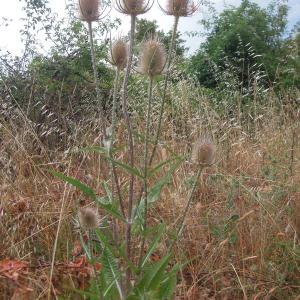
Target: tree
[(245, 40), (289, 68)]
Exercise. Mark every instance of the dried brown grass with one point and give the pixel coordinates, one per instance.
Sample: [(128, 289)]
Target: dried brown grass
[(241, 235)]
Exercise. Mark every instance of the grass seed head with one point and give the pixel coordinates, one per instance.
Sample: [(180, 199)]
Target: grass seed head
[(119, 54), (89, 10), (180, 8), (89, 218), (133, 7), (203, 152), (153, 58)]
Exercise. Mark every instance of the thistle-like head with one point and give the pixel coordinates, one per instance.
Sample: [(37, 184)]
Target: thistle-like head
[(89, 10), (152, 58), (180, 8), (119, 54), (133, 7), (89, 218), (203, 152)]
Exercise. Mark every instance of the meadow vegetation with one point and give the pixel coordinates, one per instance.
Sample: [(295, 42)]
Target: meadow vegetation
[(130, 170)]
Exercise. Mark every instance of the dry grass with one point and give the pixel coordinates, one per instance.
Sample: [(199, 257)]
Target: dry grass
[(241, 235)]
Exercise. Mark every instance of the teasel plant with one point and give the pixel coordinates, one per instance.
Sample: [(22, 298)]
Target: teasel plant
[(132, 8), (177, 9), (92, 11), (203, 156), (118, 58), (152, 64), (126, 274)]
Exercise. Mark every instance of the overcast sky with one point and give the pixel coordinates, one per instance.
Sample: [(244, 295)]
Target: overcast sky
[(12, 9)]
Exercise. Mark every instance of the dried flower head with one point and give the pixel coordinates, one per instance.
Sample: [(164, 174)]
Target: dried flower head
[(119, 54), (89, 218), (133, 7), (203, 152), (180, 8), (153, 57), (89, 10)]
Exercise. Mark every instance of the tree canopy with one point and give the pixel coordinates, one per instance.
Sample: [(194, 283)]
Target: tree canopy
[(245, 41)]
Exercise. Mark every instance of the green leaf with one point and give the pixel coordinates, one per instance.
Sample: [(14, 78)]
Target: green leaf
[(154, 192), (234, 218), (161, 230), (85, 247), (153, 275), (127, 168), (108, 191), (168, 286), (103, 200), (159, 166), (111, 272), (109, 208), (117, 252), (97, 149), (75, 182), (158, 275)]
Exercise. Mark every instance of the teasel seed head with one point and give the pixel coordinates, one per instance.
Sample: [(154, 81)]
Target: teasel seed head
[(203, 152), (152, 58), (89, 10), (133, 7), (180, 8), (119, 54), (89, 218)]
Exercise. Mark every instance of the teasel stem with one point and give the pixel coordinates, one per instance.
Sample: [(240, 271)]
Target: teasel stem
[(113, 126), (96, 79), (187, 207), (162, 107), (292, 157), (90, 247), (130, 144), (114, 107), (150, 92), (167, 77), (113, 172), (98, 94)]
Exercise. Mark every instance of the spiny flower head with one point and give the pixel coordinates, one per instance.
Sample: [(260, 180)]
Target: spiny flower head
[(180, 8), (133, 7), (89, 10), (153, 57), (203, 152), (89, 218), (119, 54)]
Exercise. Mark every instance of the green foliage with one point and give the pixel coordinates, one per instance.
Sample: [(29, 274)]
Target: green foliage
[(289, 69), (109, 208), (153, 282), (60, 76), (246, 43)]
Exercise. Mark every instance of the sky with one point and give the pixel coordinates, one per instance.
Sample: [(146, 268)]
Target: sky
[(12, 10)]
